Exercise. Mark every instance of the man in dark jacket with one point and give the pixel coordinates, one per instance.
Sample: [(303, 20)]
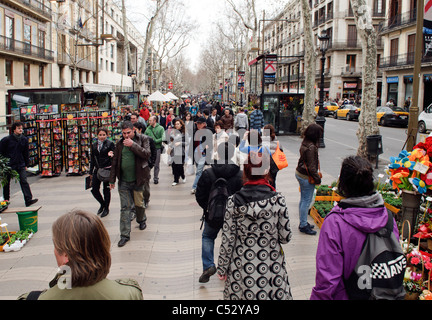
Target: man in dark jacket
[(130, 166), (201, 148), (15, 147), (227, 169)]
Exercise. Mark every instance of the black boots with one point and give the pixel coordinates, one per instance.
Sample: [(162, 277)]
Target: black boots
[(105, 212)]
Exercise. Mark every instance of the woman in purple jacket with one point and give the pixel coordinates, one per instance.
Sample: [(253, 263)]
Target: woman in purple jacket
[(345, 229)]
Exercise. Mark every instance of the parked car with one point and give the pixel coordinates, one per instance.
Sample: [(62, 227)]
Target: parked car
[(425, 120), (329, 108), (347, 111), (388, 116)]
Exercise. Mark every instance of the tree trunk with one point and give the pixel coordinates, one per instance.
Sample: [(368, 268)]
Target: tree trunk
[(310, 57), (368, 124)]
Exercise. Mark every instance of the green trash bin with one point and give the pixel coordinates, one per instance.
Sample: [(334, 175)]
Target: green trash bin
[(28, 220)]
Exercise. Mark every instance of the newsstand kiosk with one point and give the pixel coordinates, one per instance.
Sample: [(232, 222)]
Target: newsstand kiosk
[(61, 124)]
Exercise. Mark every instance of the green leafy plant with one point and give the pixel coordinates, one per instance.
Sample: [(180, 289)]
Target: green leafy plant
[(6, 170), (391, 199), (323, 207)]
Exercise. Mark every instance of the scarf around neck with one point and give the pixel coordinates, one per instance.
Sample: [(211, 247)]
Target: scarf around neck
[(260, 182)]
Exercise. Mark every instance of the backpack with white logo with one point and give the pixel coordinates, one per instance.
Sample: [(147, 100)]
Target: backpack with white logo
[(217, 201), (380, 269)]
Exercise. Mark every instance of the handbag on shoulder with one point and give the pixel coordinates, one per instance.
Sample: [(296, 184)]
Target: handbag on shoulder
[(103, 174), (279, 158)]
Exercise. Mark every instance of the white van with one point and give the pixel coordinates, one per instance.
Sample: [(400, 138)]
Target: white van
[(425, 120)]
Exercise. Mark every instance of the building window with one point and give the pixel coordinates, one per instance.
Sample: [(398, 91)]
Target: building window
[(41, 76), (9, 32), (26, 74), (350, 63), (9, 72), (112, 66)]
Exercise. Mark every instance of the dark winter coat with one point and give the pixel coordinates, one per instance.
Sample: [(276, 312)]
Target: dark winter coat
[(142, 151), (16, 149), (308, 163), (100, 159), (230, 172)]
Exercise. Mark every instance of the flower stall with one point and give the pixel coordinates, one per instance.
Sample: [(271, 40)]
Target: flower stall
[(410, 175)]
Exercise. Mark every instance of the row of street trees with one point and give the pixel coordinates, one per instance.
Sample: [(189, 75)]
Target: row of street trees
[(232, 43)]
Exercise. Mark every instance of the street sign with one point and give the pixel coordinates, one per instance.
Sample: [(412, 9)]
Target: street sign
[(270, 69), (170, 85)]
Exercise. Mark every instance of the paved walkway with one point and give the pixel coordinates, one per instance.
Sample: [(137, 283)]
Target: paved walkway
[(165, 258)]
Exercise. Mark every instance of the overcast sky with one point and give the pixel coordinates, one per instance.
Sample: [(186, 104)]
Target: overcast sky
[(204, 12)]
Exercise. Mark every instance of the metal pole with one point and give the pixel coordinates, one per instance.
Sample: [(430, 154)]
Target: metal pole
[(414, 108), (320, 119), (262, 84)]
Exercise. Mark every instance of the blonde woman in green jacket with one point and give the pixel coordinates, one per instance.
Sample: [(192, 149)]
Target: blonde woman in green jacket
[(85, 264)]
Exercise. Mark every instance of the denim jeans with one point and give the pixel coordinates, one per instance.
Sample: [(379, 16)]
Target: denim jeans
[(157, 165), (306, 196), (207, 251), (199, 170), (130, 195)]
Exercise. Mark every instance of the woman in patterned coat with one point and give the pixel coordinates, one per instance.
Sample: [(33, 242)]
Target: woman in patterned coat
[(251, 259)]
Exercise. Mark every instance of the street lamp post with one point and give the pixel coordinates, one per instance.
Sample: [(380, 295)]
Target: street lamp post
[(320, 119)]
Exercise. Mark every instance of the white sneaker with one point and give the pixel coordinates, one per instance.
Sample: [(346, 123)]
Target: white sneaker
[(174, 183), (193, 191), (184, 180)]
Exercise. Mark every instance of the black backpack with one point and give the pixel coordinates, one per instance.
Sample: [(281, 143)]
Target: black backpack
[(380, 269), (217, 201)]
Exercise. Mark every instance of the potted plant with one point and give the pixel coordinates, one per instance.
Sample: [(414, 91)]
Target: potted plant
[(413, 284), (6, 170)]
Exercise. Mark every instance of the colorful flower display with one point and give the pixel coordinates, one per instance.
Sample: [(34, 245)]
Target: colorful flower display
[(412, 170)]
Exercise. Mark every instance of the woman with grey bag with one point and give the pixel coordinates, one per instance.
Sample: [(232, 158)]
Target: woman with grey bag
[(102, 152)]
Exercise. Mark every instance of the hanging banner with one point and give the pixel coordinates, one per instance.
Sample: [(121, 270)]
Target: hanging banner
[(270, 68), (241, 76), (427, 29)]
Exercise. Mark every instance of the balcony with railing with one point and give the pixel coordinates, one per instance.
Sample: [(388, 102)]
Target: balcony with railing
[(351, 44), (398, 22), (402, 60), (26, 50), (351, 72), (34, 8)]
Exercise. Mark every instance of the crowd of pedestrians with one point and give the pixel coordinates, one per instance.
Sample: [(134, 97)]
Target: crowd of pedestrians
[(230, 154)]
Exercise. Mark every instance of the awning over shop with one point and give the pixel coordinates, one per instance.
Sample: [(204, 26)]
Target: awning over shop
[(93, 87)]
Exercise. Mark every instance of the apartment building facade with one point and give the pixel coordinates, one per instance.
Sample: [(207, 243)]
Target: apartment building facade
[(89, 38), (397, 64), (26, 54), (343, 63)]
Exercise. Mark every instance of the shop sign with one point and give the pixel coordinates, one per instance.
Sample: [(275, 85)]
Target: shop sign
[(393, 79), (350, 85)]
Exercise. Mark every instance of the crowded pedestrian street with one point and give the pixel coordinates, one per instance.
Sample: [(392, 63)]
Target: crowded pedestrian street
[(165, 258)]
